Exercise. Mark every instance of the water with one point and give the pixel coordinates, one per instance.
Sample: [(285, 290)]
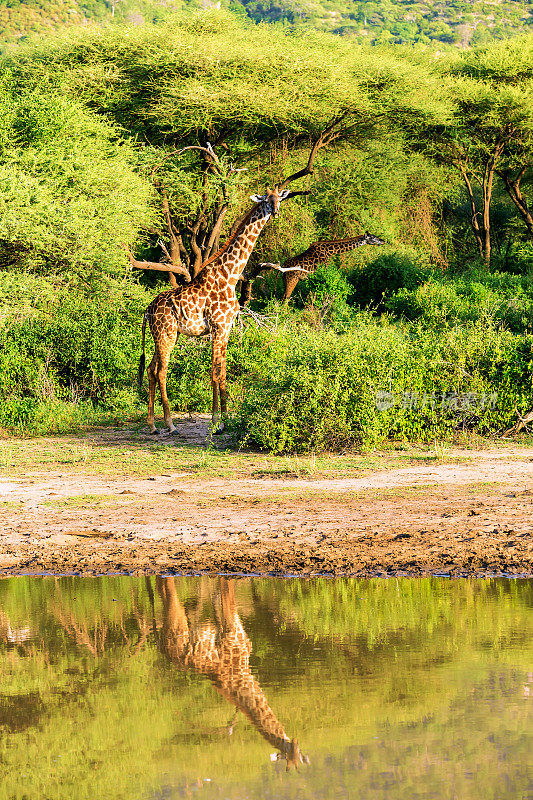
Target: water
[(212, 688)]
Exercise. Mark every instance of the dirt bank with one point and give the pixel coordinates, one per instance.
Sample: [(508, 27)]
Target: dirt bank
[(471, 516)]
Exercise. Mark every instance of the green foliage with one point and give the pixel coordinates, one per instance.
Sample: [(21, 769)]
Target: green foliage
[(68, 191), (499, 297), (383, 277), (302, 387), (401, 22), (490, 131), (62, 352), (325, 285), (198, 80), (321, 389), (91, 119)]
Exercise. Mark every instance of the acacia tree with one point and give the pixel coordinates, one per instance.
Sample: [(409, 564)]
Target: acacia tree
[(230, 99), (68, 188), (490, 132), (204, 230), (508, 68)]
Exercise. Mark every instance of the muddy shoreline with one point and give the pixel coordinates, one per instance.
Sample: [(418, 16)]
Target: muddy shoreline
[(469, 517)]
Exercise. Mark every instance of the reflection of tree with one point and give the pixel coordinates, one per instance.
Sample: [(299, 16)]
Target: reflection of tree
[(221, 652)]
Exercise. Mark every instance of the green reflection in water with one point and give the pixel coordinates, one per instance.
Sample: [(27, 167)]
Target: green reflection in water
[(167, 688)]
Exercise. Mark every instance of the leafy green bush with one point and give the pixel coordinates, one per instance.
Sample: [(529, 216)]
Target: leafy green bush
[(518, 259), (326, 284), (62, 348), (68, 359), (505, 299), (326, 391), (382, 277)]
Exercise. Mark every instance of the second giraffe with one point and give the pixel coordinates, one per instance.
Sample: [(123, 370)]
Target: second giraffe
[(298, 266)]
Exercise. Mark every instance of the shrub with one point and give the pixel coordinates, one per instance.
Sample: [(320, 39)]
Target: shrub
[(320, 390), (63, 347), (68, 359), (326, 283), (382, 277), (504, 299)]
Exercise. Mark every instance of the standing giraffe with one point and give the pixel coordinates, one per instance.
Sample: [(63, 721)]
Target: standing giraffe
[(297, 266), (208, 304), (222, 654)]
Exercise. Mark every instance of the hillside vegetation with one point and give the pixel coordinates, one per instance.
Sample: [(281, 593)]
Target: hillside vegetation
[(432, 156), (444, 22)]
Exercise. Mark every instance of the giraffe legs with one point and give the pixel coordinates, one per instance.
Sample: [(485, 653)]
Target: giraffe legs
[(290, 281), (218, 382), (167, 416), (175, 634), (157, 374), (151, 394)]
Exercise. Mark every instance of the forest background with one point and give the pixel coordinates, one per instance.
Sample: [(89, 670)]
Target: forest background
[(426, 337)]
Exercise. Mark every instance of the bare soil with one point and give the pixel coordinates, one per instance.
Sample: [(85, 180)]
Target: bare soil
[(469, 514)]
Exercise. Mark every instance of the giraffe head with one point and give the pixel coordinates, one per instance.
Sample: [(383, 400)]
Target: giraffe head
[(371, 239), (272, 199), (292, 754)]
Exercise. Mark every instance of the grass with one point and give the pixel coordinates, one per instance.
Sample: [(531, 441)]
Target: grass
[(84, 500), (90, 456), (12, 505), (118, 452)]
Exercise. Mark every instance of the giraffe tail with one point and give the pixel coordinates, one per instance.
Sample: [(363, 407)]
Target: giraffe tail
[(142, 360)]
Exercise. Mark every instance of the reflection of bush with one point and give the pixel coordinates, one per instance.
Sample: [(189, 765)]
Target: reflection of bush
[(373, 610)]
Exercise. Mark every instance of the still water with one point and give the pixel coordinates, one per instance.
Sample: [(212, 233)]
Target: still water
[(257, 688)]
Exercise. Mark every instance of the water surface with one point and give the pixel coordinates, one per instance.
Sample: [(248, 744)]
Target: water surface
[(256, 688)]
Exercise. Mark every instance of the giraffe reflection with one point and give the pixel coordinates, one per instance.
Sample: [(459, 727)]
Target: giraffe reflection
[(221, 652)]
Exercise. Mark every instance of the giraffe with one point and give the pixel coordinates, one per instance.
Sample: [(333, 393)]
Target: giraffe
[(222, 654), (298, 266), (206, 305)]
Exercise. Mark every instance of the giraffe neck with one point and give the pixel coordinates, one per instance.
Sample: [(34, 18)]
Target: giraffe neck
[(225, 662), (238, 684), (247, 695), (230, 263), (343, 245)]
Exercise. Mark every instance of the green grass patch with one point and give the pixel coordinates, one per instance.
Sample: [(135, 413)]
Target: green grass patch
[(84, 500)]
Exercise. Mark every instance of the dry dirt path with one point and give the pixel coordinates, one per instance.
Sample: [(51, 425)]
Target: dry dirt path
[(472, 516)]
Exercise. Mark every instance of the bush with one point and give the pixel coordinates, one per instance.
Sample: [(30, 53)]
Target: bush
[(322, 391), (61, 348), (504, 299), (68, 359), (382, 277), (326, 284)]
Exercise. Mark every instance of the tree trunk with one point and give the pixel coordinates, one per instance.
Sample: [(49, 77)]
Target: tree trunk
[(478, 233), (175, 253), (512, 186), (482, 232), (488, 179)]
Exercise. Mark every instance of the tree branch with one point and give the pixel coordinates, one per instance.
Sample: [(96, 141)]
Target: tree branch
[(329, 134), (158, 267), (512, 186)]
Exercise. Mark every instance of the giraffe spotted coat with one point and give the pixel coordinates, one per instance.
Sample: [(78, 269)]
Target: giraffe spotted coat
[(207, 305)]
